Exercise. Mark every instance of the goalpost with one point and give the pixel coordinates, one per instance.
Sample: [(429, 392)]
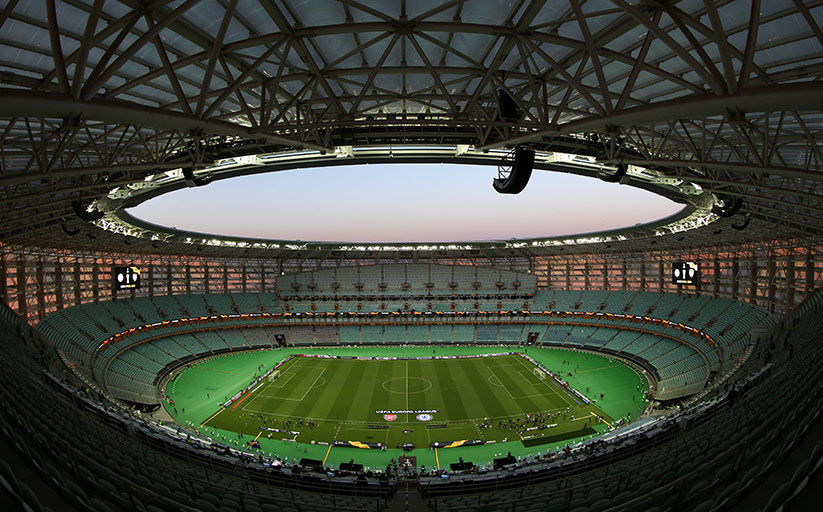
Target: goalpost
[(540, 374), (274, 375)]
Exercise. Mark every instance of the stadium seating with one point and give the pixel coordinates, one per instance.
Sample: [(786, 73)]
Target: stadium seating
[(405, 279), (418, 334), (406, 286), (133, 465), (464, 334), (395, 334), (711, 455), (682, 369), (683, 362), (681, 466), (371, 334)]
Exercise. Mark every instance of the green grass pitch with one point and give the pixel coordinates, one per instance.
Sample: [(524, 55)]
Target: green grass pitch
[(346, 399)]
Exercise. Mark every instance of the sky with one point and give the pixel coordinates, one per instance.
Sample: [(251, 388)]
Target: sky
[(402, 203)]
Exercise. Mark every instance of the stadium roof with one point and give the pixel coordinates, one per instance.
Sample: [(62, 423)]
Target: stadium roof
[(103, 104)]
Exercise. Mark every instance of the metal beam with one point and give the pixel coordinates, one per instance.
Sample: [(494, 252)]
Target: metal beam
[(17, 103), (735, 167), (783, 97), (751, 43), (12, 179), (56, 48), (85, 45)]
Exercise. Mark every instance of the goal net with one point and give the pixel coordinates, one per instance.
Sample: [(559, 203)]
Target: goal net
[(274, 375), (539, 374)]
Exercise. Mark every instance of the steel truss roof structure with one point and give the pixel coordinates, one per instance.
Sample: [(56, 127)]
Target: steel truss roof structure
[(100, 98)]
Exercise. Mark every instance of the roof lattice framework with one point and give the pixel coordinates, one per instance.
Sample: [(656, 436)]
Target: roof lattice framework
[(95, 95)]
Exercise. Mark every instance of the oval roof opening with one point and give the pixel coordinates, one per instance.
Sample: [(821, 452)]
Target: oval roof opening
[(402, 203)]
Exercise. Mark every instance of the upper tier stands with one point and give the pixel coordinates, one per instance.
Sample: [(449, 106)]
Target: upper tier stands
[(406, 287), (405, 279)]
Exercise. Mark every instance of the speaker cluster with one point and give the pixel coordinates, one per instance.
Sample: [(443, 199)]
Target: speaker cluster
[(518, 174)]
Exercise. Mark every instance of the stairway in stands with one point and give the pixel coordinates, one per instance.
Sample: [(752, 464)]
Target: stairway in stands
[(407, 498)]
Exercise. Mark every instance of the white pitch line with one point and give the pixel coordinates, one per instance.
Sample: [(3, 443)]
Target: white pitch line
[(284, 398), (553, 387), (407, 389), (312, 385), (526, 375), (501, 383), (281, 383)]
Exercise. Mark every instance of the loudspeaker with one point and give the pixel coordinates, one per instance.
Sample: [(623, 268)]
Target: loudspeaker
[(727, 207), (618, 175), (70, 232), (83, 214), (192, 181), (188, 175), (741, 227), (521, 171), (509, 111)]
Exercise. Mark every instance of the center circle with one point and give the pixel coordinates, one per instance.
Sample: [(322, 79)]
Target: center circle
[(405, 385)]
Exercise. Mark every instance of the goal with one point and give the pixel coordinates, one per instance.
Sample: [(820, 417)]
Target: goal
[(540, 374), (274, 375)]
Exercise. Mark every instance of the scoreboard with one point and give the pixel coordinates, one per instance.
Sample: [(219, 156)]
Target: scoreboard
[(126, 278), (685, 272)]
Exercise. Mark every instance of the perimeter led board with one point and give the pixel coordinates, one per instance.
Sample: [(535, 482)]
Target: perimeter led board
[(126, 278), (685, 272)]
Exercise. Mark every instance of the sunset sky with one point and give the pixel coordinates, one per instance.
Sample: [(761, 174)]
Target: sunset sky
[(402, 203)]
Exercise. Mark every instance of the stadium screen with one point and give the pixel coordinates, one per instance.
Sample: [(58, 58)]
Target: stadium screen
[(126, 278), (685, 272)]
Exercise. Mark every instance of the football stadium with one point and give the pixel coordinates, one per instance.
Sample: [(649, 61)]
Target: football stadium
[(669, 364)]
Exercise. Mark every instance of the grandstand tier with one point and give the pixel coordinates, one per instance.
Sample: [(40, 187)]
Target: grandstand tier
[(118, 348)]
